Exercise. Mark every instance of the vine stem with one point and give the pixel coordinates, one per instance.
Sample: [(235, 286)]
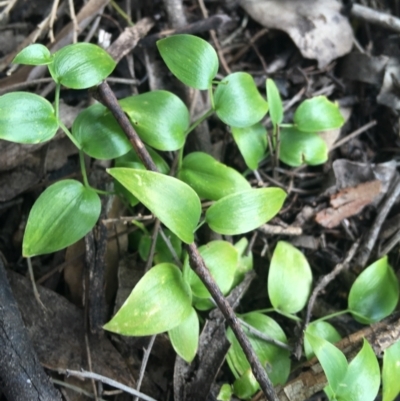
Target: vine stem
[(106, 96)]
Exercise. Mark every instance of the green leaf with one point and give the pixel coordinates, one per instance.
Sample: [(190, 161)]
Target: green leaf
[(238, 102), (362, 379), (160, 118), (209, 178), (246, 385), (375, 293), (331, 359), (35, 54), (245, 260), (277, 360), (289, 279), (274, 102), (297, 148), (63, 214), (252, 143), (171, 200), (99, 133), (318, 114), (26, 118), (203, 304), (323, 330), (191, 59), (244, 211), (185, 337), (160, 301), (225, 392), (81, 65), (221, 258), (391, 372)]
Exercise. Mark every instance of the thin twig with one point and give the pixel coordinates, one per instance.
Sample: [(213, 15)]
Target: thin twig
[(144, 363), (74, 21), (376, 17), (353, 134)]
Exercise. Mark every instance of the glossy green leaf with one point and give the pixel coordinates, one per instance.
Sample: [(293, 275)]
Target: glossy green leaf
[(26, 118), (323, 330), (289, 279), (221, 258), (276, 360), (191, 59), (245, 211), (331, 359), (35, 54), (246, 385), (391, 372), (171, 200), (99, 134), (63, 214), (297, 148), (225, 392), (318, 114), (160, 301), (375, 293), (185, 337), (362, 379), (81, 65), (238, 102), (274, 102), (160, 118), (210, 178), (252, 143), (245, 260)]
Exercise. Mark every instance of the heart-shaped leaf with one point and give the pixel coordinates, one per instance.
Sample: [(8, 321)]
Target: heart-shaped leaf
[(26, 118), (289, 279), (375, 293), (160, 118), (318, 114), (297, 148), (171, 200), (244, 211), (63, 214), (238, 102), (391, 372), (191, 59), (81, 65), (160, 301), (185, 337), (322, 330), (274, 102), (35, 54), (209, 178), (252, 143), (99, 133)]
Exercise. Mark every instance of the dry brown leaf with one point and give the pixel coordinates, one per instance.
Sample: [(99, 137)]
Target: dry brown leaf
[(348, 202), (317, 27)]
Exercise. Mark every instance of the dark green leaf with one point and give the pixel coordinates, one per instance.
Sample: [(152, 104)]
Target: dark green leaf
[(209, 178), (191, 59), (35, 54), (323, 330), (63, 214), (274, 102), (26, 118), (160, 301), (391, 372)]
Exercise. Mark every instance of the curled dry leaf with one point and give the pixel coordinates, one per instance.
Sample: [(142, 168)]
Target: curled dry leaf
[(317, 27), (348, 202)]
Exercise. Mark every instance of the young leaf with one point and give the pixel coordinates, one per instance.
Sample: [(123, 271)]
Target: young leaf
[(225, 393), (63, 214), (245, 260), (297, 148), (160, 301), (252, 143), (26, 118), (274, 102), (289, 279), (81, 65), (238, 102), (171, 200), (391, 372), (246, 385), (317, 114), (209, 178), (244, 211), (375, 293), (191, 59), (160, 118), (35, 54), (323, 330), (221, 258), (99, 134), (185, 337)]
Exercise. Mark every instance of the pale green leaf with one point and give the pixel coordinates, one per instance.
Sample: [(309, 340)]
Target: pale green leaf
[(323, 330), (391, 372), (274, 102), (34, 54)]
